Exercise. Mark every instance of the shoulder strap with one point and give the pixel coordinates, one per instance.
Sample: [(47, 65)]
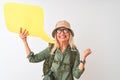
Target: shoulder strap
[(48, 61), (72, 59), (51, 45)]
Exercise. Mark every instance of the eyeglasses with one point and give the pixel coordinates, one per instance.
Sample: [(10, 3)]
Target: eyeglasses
[(62, 30)]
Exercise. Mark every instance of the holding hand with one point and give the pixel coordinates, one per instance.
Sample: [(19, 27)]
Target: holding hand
[(23, 34)]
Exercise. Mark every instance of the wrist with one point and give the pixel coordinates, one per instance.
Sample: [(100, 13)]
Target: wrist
[(24, 40), (83, 62), (83, 58)]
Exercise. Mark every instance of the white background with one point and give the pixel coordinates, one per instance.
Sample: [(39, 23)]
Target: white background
[(96, 24)]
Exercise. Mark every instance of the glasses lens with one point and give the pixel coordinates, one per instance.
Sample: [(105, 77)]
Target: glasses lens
[(59, 31), (62, 30), (65, 30)]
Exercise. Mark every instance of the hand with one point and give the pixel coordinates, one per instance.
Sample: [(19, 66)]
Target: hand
[(87, 52), (23, 34)]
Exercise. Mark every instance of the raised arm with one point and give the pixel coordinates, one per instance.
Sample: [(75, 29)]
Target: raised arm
[(84, 56), (23, 35)]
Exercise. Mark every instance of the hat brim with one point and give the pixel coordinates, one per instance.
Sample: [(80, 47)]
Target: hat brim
[(54, 31)]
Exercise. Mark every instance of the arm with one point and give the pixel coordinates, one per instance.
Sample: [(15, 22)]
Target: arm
[(23, 35), (78, 68), (85, 54), (30, 55), (76, 71), (38, 57)]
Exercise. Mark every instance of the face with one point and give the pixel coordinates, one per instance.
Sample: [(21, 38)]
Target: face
[(62, 34)]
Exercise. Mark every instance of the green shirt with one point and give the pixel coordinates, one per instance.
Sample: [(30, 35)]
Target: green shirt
[(61, 64)]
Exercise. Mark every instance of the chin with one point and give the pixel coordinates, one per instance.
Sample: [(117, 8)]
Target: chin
[(63, 40)]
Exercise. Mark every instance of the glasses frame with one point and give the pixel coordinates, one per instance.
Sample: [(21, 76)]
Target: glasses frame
[(64, 30)]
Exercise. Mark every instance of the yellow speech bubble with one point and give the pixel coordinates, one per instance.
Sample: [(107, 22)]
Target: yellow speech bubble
[(28, 17)]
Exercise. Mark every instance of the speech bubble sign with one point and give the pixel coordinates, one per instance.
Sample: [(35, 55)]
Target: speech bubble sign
[(28, 17)]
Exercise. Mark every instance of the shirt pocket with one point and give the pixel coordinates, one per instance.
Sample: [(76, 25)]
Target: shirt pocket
[(66, 67), (55, 65), (66, 63)]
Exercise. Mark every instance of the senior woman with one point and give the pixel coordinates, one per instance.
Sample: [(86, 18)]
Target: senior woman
[(62, 48)]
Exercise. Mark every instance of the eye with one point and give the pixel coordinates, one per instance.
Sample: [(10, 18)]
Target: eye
[(59, 31), (66, 30)]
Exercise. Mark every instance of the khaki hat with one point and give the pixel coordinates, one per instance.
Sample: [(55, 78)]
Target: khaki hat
[(62, 24)]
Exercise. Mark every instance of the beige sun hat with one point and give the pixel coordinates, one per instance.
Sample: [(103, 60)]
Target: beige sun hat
[(62, 24)]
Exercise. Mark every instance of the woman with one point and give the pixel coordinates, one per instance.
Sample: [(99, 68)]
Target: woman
[(61, 50)]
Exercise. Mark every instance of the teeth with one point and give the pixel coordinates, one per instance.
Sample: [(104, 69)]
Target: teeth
[(62, 37)]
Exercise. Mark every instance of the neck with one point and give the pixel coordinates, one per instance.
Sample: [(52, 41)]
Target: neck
[(63, 46)]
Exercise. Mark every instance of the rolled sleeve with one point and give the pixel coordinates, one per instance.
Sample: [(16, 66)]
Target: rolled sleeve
[(39, 56), (31, 53), (78, 73)]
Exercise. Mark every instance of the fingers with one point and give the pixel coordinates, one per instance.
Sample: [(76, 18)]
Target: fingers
[(88, 50), (23, 33), (26, 33), (20, 29)]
